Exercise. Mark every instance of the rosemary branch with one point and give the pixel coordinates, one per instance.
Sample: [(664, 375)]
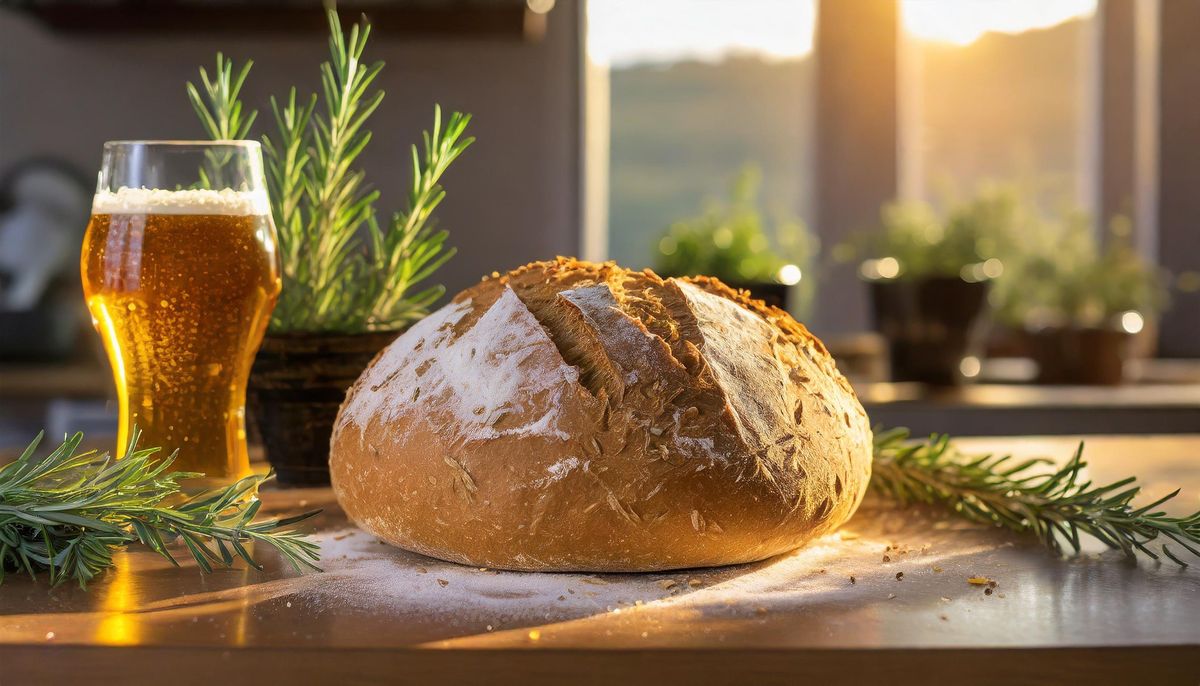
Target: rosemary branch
[(1056, 505), (66, 513), (226, 120), (342, 270)]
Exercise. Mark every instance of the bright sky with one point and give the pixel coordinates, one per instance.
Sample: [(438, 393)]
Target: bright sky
[(963, 21), (623, 32)]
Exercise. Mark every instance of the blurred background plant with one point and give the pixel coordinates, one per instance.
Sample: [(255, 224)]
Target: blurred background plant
[(734, 240), (1064, 275), (930, 278), (912, 241)]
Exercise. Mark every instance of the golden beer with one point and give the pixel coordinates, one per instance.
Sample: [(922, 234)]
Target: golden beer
[(180, 285)]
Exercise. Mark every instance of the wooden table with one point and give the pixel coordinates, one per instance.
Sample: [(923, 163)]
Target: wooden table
[(379, 614)]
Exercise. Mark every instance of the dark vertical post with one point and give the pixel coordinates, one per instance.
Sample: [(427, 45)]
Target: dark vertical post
[(1179, 169), (1116, 108), (856, 159)]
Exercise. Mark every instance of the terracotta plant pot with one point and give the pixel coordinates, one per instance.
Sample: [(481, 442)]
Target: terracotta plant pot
[(296, 387), (1069, 355), (931, 325)]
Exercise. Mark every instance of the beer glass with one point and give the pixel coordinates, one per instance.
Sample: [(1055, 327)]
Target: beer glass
[(180, 272)]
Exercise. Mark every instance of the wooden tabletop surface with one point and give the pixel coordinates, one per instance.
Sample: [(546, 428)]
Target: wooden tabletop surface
[(909, 616)]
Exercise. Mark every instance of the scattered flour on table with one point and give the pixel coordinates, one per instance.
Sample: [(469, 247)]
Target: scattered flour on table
[(363, 574)]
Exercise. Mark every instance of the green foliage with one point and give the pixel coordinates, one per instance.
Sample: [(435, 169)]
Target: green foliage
[(1055, 505), (224, 121), (730, 241), (1045, 271), (65, 514), (925, 244), (333, 279), (1062, 276)]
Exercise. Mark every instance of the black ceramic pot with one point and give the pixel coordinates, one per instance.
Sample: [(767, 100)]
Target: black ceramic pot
[(770, 292), (296, 386), (1070, 355), (931, 325)]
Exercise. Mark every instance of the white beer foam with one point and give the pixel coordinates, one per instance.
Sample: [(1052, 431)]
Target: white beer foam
[(159, 201)]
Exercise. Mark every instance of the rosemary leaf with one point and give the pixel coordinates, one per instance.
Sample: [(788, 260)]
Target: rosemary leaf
[(64, 514), (1057, 506)]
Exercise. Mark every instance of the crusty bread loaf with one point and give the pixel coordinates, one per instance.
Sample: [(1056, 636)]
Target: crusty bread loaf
[(570, 416)]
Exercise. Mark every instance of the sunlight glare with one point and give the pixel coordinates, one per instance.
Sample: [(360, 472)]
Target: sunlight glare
[(962, 22), (625, 32)]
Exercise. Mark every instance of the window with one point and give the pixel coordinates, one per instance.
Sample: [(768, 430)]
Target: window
[(999, 92), (698, 91)]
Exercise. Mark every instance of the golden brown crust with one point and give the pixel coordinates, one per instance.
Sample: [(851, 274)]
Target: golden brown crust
[(572, 416)]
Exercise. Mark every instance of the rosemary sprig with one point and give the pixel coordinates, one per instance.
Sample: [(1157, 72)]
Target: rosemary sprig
[(1056, 505), (66, 513), (226, 121), (334, 279), (412, 250)]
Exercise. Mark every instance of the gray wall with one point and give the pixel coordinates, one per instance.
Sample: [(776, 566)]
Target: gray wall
[(513, 198)]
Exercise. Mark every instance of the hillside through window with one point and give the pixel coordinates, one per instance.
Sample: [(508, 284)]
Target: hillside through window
[(705, 94), (998, 93)]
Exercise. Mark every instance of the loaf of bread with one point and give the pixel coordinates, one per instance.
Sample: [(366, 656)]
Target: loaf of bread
[(570, 416)]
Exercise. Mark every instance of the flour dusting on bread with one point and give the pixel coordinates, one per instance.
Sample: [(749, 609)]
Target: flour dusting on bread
[(504, 363)]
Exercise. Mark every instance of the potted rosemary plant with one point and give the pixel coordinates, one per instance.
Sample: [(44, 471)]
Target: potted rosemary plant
[(929, 279), (350, 278), (1081, 304), (730, 240)]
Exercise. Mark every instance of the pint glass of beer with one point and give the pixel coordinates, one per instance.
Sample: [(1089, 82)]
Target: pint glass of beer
[(181, 273)]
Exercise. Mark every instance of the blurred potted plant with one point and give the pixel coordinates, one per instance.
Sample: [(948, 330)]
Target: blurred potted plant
[(730, 240), (349, 283), (1081, 304), (929, 280)]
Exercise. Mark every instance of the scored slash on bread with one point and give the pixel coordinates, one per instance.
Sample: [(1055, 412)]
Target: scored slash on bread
[(570, 416)]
